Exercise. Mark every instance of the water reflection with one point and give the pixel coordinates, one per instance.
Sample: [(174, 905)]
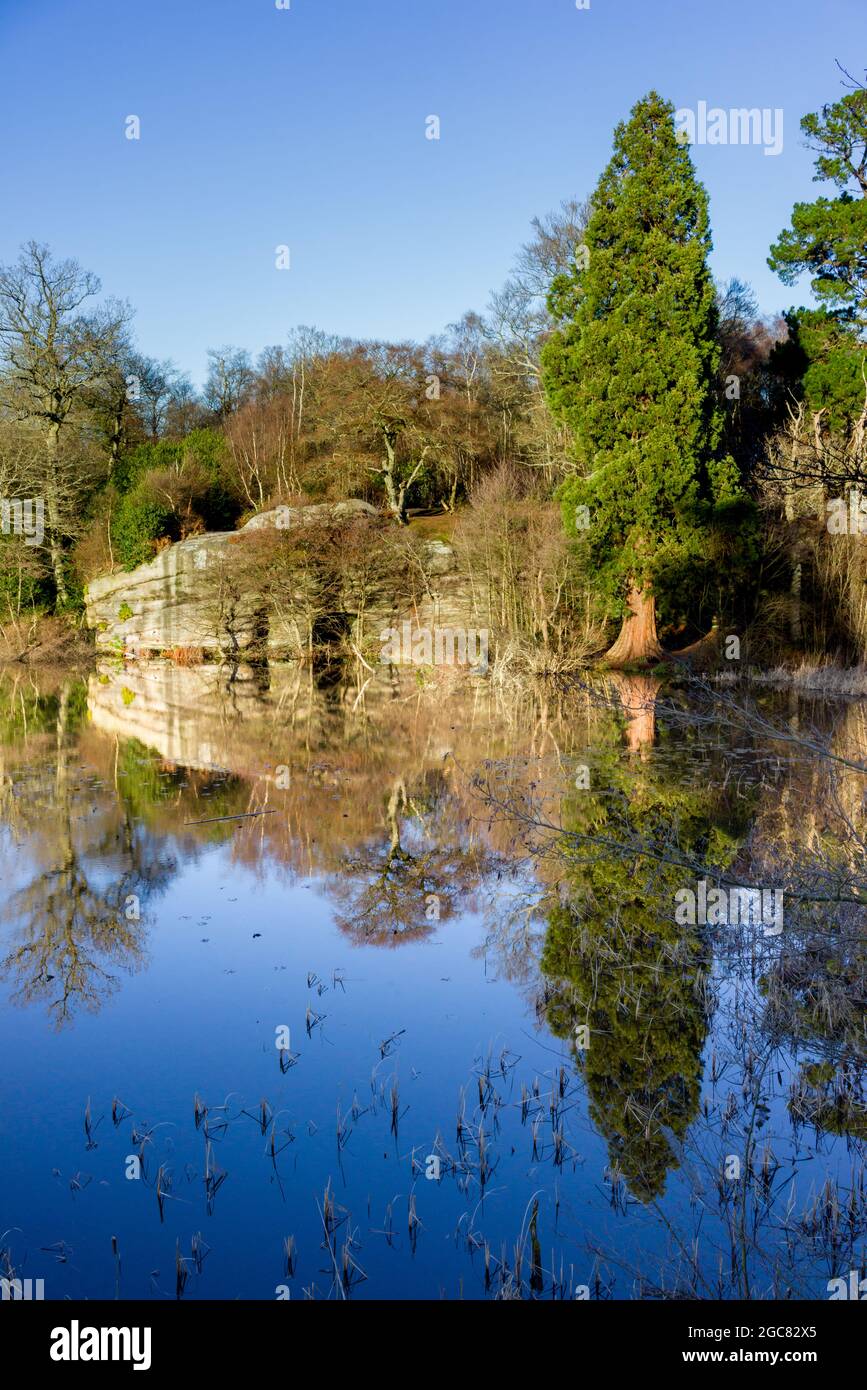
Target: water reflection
[(88, 872), (622, 978), (416, 811)]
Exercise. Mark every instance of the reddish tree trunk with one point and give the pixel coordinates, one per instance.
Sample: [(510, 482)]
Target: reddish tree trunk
[(638, 698), (637, 642)]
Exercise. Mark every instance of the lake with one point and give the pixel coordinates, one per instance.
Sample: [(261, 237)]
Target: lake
[(377, 990)]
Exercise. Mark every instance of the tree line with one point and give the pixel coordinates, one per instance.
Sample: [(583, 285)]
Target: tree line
[(643, 446)]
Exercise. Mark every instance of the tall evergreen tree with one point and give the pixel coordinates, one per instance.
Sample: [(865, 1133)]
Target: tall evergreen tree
[(630, 369), (828, 238), (825, 357)]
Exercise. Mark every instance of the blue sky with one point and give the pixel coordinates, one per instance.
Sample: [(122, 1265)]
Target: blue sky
[(306, 127)]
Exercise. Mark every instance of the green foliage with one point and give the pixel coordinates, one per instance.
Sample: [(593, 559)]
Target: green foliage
[(74, 591), (828, 238), (616, 962), (823, 361), (207, 447), (189, 473), (719, 579), (150, 789), (25, 711), (631, 366), (138, 522), (133, 466), (839, 134)]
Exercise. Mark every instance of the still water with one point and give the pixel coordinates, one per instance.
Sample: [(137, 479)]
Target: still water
[(379, 992)]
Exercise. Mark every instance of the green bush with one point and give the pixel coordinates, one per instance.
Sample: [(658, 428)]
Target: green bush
[(139, 521), (133, 466), (207, 447)]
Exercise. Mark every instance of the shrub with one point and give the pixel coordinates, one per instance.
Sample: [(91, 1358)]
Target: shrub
[(140, 521)]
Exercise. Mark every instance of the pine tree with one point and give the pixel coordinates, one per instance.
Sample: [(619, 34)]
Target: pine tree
[(630, 369), (828, 238), (824, 356)]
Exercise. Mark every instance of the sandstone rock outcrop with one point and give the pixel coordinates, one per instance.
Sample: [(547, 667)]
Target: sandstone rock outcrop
[(201, 594)]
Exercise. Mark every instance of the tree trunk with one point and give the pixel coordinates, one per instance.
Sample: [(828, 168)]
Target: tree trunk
[(52, 505), (637, 642), (796, 630), (795, 626), (115, 441), (638, 698), (396, 495)]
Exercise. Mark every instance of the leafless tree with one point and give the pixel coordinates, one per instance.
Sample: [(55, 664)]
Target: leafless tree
[(54, 355), (518, 318), (230, 380)]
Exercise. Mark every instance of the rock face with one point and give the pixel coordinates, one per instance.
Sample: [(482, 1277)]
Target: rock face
[(196, 716), (160, 606), (285, 518), (245, 721), (201, 594)]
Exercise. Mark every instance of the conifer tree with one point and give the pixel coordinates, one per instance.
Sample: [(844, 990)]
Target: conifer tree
[(825, 350), (828, 238), (630, 369)]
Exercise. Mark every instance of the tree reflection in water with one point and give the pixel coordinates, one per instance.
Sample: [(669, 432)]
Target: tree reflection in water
[(90, 873), (411, 810)]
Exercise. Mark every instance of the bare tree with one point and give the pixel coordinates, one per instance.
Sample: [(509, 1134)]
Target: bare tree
[(518, 319), (54, 356), (153, 386), (230, 380), (184, 411), (114, 399), (517, 324)]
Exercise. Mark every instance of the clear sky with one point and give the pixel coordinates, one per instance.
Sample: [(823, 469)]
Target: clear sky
[(306, 127)]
